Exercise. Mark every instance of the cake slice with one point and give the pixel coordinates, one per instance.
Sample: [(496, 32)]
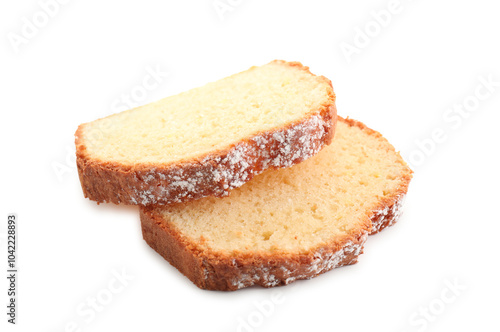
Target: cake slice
[(286, 224), (209, 140)]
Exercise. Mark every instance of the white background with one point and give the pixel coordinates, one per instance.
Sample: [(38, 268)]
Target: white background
[(74, 69)]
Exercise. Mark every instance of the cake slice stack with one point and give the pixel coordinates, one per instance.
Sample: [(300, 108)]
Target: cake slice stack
[(283, 225)]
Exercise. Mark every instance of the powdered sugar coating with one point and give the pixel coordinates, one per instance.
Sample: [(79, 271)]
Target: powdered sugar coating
[(323, 260), (218, 175), (238, 163), (224, 271), (388, 215)]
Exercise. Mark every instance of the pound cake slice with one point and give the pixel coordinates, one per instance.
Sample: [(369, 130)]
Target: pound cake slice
[(209, 140), (286, 224)]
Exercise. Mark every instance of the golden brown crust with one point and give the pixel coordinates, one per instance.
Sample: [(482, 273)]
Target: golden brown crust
[(219, 271), (213, 174)]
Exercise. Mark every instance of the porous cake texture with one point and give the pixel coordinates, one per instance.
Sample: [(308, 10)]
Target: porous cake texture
[(286, 224)]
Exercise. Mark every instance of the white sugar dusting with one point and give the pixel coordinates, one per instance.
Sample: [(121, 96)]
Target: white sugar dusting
[(216, 175), (380, 217), (322, 260)]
